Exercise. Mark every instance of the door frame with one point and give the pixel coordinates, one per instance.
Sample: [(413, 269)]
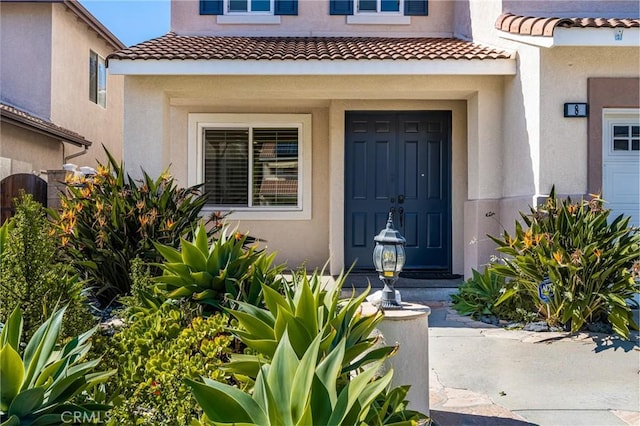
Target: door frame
[(448, 228)]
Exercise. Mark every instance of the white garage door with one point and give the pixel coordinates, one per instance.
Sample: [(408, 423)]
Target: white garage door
[(621, 162)]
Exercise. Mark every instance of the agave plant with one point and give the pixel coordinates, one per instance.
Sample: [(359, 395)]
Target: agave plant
[(295, 391), (311, 321), (307, 309), (39, 386), (207, 274)]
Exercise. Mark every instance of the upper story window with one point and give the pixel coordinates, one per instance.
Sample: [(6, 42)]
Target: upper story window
[(379, 11), (249, 6), (97, 79), (379, 6), (256, 165), (248, 11)]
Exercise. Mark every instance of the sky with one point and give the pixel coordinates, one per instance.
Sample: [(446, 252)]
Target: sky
[(132, 21)]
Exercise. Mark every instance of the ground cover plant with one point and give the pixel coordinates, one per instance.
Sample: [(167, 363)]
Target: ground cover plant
[(574, 263), (33, 278), (109, 219), (479, 295)]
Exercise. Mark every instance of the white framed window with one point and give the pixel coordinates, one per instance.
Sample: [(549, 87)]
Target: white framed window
[(248, 12), (258, 166), (378, 12), (264, 7), (97, 79)]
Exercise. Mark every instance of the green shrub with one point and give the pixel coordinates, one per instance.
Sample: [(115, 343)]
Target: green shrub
[(587, 259), (110, 219), (155, 354), (32, 278), (479, 295), (39, 385), (216, 275)]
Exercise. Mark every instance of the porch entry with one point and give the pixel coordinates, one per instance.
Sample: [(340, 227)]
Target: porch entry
[(399, 162)]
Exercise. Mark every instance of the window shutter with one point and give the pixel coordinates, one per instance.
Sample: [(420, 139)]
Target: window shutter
[(341, 7), (286, 7), (211, 7), (416, 8)]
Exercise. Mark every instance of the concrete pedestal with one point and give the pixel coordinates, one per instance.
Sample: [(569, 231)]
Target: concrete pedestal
[(409, 327)]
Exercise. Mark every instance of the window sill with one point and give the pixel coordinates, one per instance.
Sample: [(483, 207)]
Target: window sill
[(260, 214), (375, 19), (248, 19)]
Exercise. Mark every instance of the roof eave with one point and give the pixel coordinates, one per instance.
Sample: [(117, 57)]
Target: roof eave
[(581, 37), (489, 66), (94, 24), (18, 120)]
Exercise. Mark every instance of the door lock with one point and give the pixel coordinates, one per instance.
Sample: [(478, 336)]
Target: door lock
[(400, 199)]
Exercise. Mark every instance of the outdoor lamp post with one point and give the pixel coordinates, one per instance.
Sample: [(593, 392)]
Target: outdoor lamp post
[(388, 258)]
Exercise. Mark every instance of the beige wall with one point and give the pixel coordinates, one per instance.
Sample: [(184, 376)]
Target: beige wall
[(157, 122), (71, 108), (45, 71), (41, 153), (25, 39), (563, 141), (573, 8), (313, 19)]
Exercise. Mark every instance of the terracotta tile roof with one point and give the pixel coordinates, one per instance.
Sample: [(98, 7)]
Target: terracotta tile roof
[(279, 187), (22, 118), (544, 26), (173, 46)]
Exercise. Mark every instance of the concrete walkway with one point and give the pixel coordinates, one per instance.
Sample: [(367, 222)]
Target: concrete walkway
[(485, 375)]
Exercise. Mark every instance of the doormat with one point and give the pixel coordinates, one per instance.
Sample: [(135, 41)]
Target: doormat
[(429, 275)]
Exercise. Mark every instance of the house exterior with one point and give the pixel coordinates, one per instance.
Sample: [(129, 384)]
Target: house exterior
[(312, 120), (57, 103)]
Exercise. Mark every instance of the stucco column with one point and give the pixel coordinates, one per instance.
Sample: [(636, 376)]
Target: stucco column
[(409, 327), (145, 128), (485, 154)]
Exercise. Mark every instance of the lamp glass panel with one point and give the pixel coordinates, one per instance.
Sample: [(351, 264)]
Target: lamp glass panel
[(400, 258)]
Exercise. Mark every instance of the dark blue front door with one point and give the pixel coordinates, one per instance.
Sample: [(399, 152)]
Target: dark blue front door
[(399, 162)]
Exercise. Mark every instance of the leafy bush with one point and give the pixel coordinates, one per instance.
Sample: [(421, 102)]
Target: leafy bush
[(587, 259), (110, 219), (39, 385), (479, 296), (210, 274), (328, 353), (32, 278), (155, 354)]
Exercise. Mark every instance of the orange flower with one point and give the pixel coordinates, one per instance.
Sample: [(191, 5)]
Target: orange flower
[(169, 224), (144, 220), (238, 236), (140, 205), (558, 256), (597, 252), (527, 240), (65, 241), (102, 170)]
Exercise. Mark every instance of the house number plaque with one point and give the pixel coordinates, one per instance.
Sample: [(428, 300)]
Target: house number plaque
[(575, 109)]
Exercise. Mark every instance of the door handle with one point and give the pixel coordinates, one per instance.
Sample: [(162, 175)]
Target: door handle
[(400, 199), (392, 211), (401, 214)]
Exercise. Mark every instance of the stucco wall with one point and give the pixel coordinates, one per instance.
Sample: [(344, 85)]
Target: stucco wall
[(156, 133), (313, 19), (563, 140), (71, 108), (41, 153), (573, 8), (25, 36)]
